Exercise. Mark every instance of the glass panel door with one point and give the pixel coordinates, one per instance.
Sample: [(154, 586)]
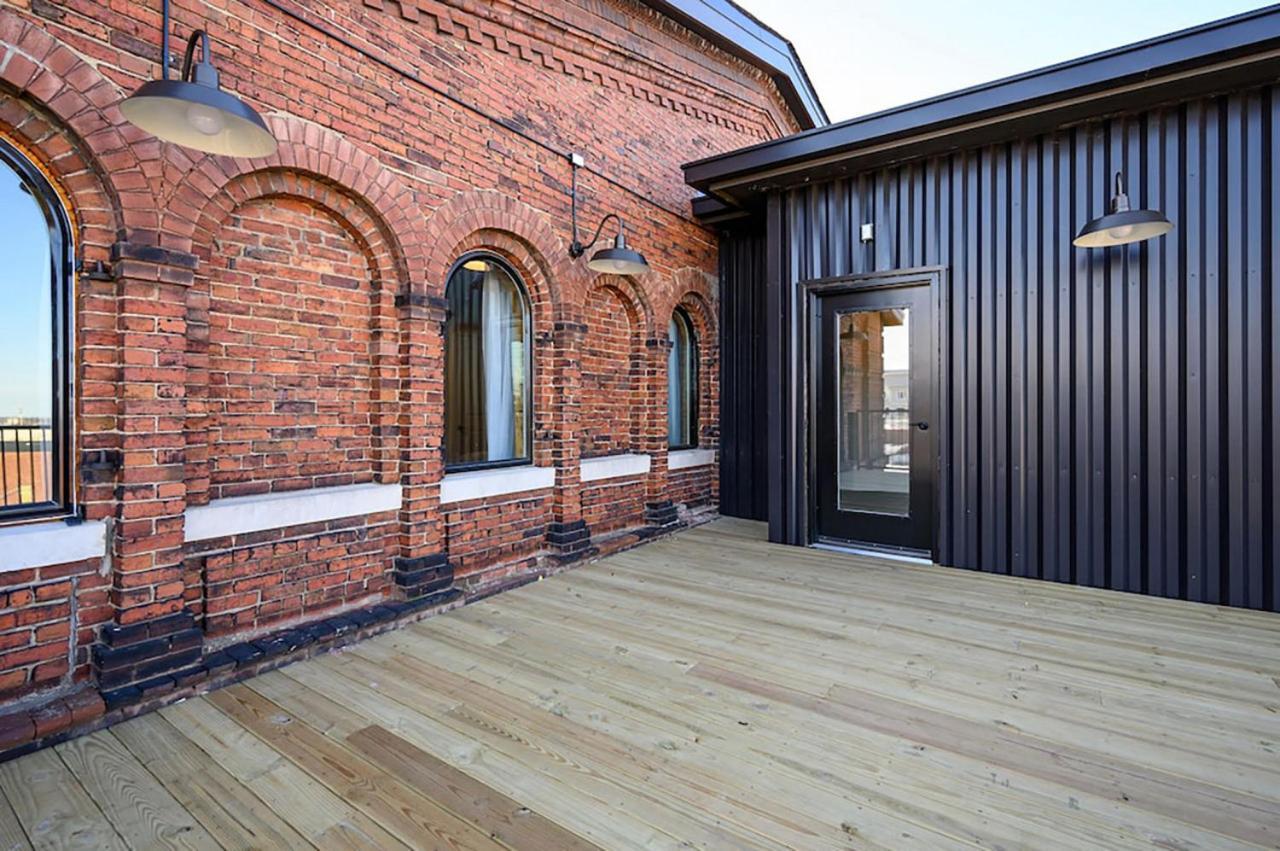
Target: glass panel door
[(873, 473)]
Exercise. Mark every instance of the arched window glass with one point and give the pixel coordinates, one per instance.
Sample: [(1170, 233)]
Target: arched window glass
[(35, 245), (682, 383), (487, 365)]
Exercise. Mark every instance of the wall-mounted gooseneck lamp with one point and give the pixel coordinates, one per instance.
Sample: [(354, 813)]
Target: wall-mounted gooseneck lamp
[(617, 260), (1122, 225), (194, 111)]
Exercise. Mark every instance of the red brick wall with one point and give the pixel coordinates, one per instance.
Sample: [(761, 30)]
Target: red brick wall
[(500, 530), (290, 383), (38, 607), (254, 580), (613, 504), (276, 323), (694, 487), (612, 78), (612, 366)]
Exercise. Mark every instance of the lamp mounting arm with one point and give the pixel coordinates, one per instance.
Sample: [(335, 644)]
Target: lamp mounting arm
[(201, 72), (1119, 201), (164, 39), (576, 248)]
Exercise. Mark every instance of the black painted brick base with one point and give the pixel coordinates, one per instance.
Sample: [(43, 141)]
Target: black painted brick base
[(139, 652), (248, 654), (570, 541), (424, 575), (661, 514)]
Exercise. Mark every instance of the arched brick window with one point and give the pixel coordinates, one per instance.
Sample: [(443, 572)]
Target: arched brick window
[(35, 351), (487, 365), (682, 382)]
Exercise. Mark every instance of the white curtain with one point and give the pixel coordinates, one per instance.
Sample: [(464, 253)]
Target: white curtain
[(675, 387), (499, 398)]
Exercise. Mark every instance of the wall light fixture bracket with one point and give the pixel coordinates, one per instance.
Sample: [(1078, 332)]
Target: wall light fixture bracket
[(617, 259)]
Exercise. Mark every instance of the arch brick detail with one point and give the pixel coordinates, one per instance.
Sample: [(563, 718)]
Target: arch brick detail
[(378, 247), (201, 189), (66, 112), (488, 219), (694, 290)]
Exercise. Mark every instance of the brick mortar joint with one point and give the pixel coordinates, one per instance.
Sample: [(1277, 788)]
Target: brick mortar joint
[(293, 539)]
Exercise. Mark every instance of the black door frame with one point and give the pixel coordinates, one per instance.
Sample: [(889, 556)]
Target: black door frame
[(809, 293)]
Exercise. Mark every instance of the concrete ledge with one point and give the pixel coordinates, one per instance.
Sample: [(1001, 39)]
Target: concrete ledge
[(683, 459), (240, 514), (614, 467), (478, 484), (50, 542)]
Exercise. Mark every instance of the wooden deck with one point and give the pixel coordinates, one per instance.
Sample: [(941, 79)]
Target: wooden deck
[(714, 691)]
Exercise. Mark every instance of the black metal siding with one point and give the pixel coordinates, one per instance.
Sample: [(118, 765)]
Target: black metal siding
[(1109, 418), (743, 459)]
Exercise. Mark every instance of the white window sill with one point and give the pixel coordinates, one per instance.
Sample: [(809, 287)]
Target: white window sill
[(478, 484), (683, 459), (238, 515), (51, 542), (613, 467)]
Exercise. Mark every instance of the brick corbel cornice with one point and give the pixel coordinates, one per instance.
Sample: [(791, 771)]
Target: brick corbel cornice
[(525, 36)]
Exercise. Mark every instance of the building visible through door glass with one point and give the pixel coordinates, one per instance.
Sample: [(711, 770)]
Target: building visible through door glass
[(874, 411)]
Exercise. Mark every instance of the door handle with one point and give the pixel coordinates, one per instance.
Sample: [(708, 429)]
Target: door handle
[(923, 425)]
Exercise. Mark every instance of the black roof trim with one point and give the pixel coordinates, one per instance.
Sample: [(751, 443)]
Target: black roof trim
[(1187, 49), (737, 31), (710, 210)]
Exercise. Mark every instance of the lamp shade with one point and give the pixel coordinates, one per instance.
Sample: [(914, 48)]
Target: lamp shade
[(1122, 225), (199, 116), (618, 260)]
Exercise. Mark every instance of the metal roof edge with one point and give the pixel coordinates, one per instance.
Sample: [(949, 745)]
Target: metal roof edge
[(1237, 35), (737, 31)]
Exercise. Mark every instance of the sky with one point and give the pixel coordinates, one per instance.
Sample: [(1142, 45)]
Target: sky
[(26, 325), (867, 55)]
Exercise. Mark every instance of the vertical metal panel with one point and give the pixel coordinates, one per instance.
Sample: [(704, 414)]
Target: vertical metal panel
[(938, 233), (743, 451), (1254, 358), (780, 424), (1110, 417), (967, 337), (1270, 234)]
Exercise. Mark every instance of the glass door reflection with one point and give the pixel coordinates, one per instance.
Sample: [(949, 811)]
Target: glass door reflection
[(873, 411)]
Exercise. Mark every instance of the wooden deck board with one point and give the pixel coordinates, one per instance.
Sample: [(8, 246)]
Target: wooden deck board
[(713, 690)]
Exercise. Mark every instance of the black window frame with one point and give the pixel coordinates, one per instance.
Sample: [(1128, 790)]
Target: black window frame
[(62, 286), (526, 459), (693, 391)]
